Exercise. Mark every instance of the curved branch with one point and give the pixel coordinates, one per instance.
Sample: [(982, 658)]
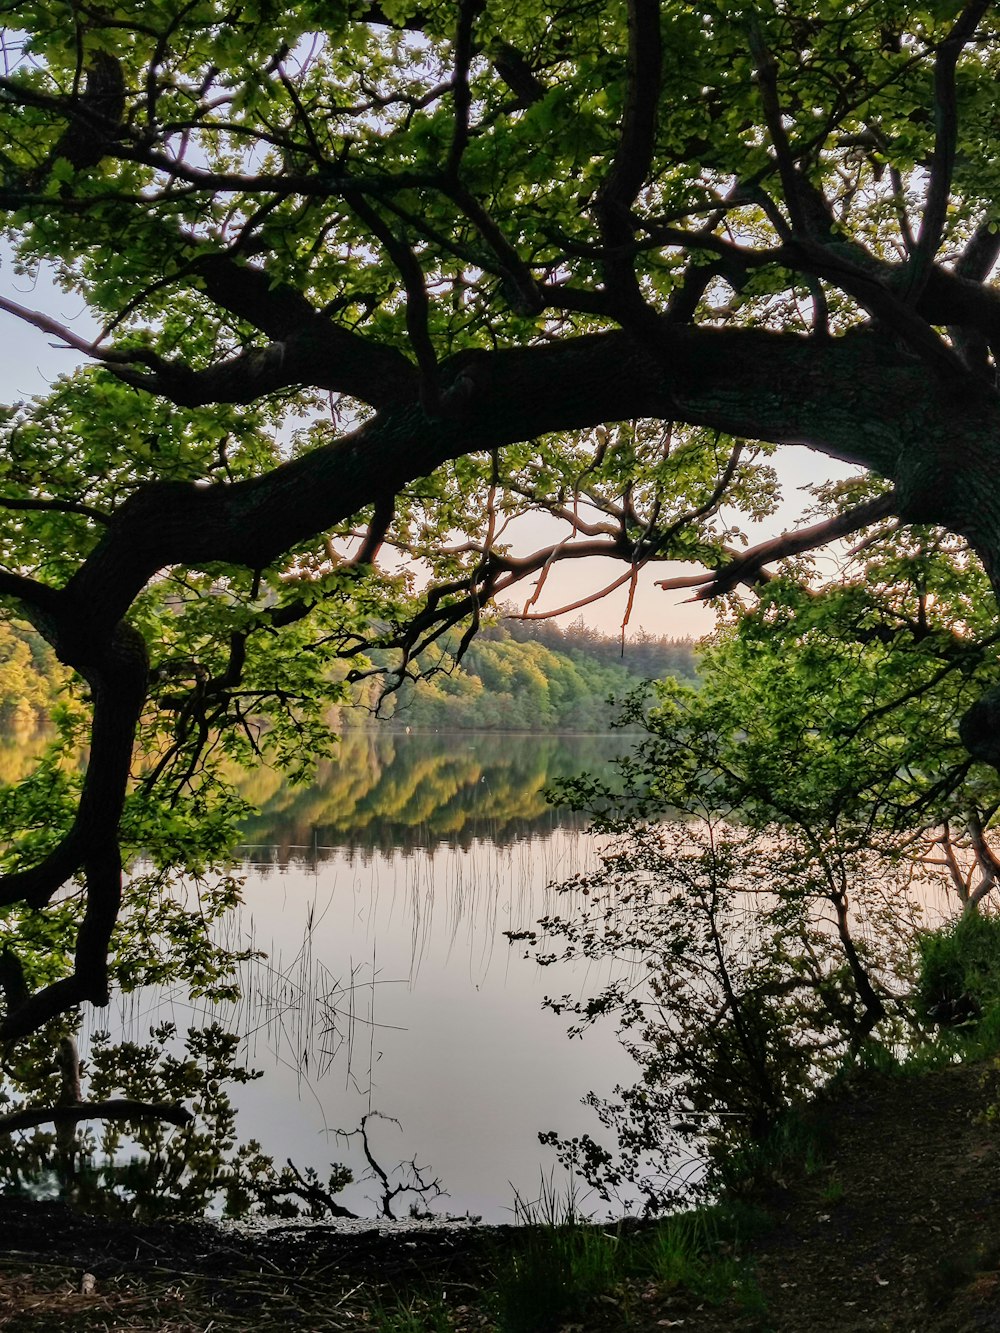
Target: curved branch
[(39, 596), (748, 566), (581, 602), (407, 265), (88, 982), (721, 378), (88, 346), (307, 349)]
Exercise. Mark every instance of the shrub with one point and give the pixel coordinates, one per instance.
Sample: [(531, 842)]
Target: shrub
[(958, 982)]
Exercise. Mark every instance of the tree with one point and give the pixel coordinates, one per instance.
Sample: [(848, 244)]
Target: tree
[(367, 276), (775, 836)]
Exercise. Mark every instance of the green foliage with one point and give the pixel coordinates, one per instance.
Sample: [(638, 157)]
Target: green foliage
[(371, 287), (151, 1168), (772, 938), (836, 708), (414, 1316), (958, 983), (553, 1278), (561, 1271), (518, 678), (30, 680), (736, 995)]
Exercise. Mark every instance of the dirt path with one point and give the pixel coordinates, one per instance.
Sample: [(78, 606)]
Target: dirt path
[(900, 1230)]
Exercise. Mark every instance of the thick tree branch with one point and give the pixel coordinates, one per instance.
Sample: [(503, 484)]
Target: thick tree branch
[(55, 507), (945, 140), (517, 74), (380, 375), (408, 266), (116, 669), (631, 164), (307, 349), (721, 378), (89, 981), (767, 81), (460, 91), (39, 597)]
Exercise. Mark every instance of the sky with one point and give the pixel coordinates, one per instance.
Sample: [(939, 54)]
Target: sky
[(31, 360)]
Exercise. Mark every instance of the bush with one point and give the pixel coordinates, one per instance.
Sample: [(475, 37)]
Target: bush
[(958, 983)]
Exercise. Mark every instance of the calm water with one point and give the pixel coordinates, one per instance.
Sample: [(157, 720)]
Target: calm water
[(380, 896)]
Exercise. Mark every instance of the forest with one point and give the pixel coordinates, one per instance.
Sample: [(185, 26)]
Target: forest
[(373, 316), (531, 677), (534, 677)]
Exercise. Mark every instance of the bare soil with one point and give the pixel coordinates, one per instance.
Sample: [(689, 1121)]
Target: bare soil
[(897, 1230)]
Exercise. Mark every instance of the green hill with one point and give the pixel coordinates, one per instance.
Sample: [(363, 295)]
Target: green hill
[(534, 676)]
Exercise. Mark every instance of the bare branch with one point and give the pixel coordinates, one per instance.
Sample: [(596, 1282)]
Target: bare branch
[(379, 526), (748, 566), (87, 346), (987, 861), (580, 603)]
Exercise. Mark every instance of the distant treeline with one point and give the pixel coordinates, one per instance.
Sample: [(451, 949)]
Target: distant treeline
[(516, 675), (535, 676), (644, 656)]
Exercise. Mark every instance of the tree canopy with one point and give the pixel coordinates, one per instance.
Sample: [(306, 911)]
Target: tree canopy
[(370, 281)]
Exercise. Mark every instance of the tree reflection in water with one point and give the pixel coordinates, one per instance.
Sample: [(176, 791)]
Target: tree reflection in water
[(387, 795), (392, 791)]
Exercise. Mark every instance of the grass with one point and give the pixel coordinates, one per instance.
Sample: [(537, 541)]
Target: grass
[(558, 1269), (413, 1316), (555, 1270), (553, 1274), (832, 1192)]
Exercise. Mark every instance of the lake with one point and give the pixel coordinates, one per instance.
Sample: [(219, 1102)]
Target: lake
[(380, 896)]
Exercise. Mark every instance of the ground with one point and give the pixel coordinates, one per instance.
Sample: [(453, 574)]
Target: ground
[(895, 1228)]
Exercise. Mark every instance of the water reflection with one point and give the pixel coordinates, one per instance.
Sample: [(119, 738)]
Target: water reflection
[(389, 791), (388, 987), (380, 896)]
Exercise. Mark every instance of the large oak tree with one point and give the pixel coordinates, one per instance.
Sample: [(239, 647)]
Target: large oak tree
[(372, 280)]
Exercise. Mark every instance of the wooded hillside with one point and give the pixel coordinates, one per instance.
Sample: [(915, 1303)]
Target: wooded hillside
[(533, 676)]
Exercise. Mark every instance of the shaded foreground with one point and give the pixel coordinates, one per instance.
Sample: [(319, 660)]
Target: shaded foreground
[(893, 1227)]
